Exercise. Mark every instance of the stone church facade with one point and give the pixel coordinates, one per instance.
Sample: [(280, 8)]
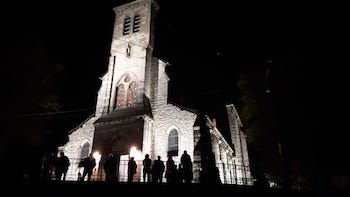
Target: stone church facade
[(133, 116)]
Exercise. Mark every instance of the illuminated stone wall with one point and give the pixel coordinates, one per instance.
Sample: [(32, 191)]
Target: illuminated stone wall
[(171, 117), (83, 133), (239, 141), (224, 155), (132, 55), (166, 117)]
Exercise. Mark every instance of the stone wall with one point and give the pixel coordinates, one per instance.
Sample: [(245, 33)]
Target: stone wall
[(72, 149), (132, 54), (240, 146), (167, 118)]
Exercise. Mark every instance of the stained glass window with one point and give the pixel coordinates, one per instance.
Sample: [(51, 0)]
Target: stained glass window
[(120, 102), (132, 94), (126, 92)]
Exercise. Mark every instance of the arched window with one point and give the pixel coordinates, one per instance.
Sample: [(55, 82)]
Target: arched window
[(173, 146), (120, 101), (132, 94), (85, 150), (126, 92)]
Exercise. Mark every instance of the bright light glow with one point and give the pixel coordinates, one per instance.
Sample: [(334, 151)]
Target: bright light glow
[(97, 155), (133, 150), (135, 153)]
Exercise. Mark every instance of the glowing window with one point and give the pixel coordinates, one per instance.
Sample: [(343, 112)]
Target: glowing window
[(120, 102), (126, 92), (85, 150), (127, 24), (137, 23), (132, 94), (173, 143)]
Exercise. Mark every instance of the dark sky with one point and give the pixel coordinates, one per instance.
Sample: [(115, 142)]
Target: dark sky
[(54, 54)]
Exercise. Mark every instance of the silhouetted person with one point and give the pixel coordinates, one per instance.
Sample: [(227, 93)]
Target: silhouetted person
[(89, 164), (48, 166), (62, 165), (187, 170), (180, 174), (170, 173), (110, 167), (132, 166), (209, 173), (217, 175), (157, 170), (147, 162)]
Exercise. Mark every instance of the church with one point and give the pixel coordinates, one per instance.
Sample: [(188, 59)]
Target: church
[(133, 116)]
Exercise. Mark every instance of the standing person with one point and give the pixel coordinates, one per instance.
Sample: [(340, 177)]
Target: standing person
[(187, 171), (146, 168), (49, 165), (170, 172), (62, 165), (180, 173), (89, 164), (157, 170), (110, 167), (131, 169)]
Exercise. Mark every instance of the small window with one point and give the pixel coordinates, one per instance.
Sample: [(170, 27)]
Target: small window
[(173, 146), (128, 51), (127, 24), (137, 23)]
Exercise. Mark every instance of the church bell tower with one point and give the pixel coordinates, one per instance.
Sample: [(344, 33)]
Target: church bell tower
[(125, 95), (126, 84)]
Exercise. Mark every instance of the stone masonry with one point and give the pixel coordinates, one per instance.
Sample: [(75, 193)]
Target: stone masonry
[(131, 62)]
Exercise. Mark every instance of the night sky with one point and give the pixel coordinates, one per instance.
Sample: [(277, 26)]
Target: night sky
[(54, 54)]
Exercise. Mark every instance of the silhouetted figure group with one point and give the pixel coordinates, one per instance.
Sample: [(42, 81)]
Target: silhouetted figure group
[(151, 173), (55, 167), (182, 174)]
